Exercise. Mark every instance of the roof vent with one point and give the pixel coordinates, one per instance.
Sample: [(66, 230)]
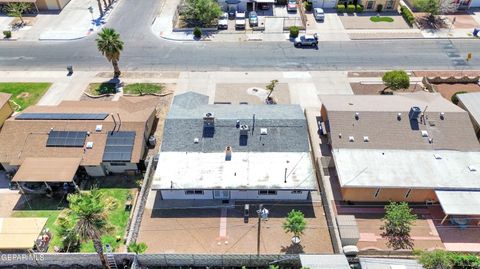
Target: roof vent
[(472, 168), (89, 145), (340, 135), (414, 113), (365, 139), (357, 115), (442, 115), (438, 157), (399, 116), (98, 128), (424, 133), (351, 139), (196, 140), (243, 129), (263, 131), (430, 140)]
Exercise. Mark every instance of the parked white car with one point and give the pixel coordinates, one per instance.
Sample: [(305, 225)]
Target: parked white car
[(240, 20), (223, 21), (319, 14)]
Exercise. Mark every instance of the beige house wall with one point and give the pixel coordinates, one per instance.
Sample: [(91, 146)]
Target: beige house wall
[(50, 5), (390, 194), (5, 112), (379, 2)]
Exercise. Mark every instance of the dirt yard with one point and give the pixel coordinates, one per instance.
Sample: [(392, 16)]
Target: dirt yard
[(373, 89), (250, 93), (448, 90)]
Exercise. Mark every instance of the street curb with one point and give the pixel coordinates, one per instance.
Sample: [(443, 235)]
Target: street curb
[(417, 38)]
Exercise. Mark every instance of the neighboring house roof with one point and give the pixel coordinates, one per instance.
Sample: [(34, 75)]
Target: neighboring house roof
[(23, 138), (377, 263), (471, 102), (194, 155), (378, 121), (4, 98)]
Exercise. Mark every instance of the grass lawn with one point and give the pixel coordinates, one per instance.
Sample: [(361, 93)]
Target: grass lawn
[(101, 88), (24, 94), (143, 88), (381, 19)]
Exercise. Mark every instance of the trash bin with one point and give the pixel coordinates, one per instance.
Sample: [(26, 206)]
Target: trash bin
[(475, 31), (246, 213)]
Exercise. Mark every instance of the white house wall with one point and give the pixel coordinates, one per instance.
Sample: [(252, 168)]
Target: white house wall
[(234, 195), (324, 3), (118, 169)]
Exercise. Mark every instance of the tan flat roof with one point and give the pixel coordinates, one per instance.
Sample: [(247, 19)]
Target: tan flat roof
[(20, 233), (47, 170)]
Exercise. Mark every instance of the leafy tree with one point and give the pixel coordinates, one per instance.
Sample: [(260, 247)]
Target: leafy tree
[(270, 88), (203, 12), (17, 10), (432, 7), (395, 80), (295, 223), (138, 248), (397, 224), (435, 259), (66, 231), (89, 215), (110, 45)]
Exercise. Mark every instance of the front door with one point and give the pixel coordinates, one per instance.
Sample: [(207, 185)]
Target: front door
[(221, 194)]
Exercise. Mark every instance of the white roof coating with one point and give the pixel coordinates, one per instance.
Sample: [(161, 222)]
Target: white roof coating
[(471, 101), (335, 261), (459, 202), (245, 170), (407, 168), (378, 263)]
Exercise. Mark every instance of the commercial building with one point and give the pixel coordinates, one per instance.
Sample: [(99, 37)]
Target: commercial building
[(238, 152), (50, 143)]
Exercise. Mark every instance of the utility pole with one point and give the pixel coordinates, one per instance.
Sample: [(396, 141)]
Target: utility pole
[(260, 208)]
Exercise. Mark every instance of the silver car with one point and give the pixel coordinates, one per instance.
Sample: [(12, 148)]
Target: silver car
[(319, 14), (253, 18), (306, 40)]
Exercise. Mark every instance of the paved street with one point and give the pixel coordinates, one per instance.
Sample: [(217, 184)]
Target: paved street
[(145, 51)]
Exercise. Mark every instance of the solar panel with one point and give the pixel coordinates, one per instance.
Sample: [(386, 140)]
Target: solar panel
[(66, 139), (62, 116), (119, 147)]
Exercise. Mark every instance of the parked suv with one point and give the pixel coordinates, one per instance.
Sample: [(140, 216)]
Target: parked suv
[(292, 6), (223, 21), (240, 20), (306, 40), (319, 14), (253, 18)]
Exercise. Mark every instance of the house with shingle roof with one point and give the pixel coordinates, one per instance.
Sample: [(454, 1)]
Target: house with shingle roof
[(415, 147), (237, 152), (50, 143), (6, 109)]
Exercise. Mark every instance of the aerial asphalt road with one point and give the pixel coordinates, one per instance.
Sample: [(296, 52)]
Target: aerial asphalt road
[(145, 51)]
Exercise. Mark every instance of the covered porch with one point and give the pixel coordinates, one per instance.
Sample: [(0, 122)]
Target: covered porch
[(461, 207)]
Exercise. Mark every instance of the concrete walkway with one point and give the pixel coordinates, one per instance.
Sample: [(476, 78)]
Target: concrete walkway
[(163, 23)]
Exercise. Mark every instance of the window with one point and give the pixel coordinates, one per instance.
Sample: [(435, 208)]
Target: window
[(370, 4), (194, 192), (296, 192), (118, 164), (389, 4), (408, 193), (267, 192), (377, 191)]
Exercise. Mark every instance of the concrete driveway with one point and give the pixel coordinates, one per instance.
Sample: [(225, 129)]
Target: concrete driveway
[(331, 29)]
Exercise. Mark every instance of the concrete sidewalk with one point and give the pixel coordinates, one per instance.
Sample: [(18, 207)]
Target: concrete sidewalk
[(163, 24)]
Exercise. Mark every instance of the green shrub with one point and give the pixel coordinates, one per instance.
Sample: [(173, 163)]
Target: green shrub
[(341, 8), (7, 34), (455, 97), (350, 9), (379, 8), (407, 15), (308, 6), (294, 30), (197, 32), (359, 9)]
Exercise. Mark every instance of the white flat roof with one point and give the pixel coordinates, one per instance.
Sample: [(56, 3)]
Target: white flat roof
[(435, 169), (459, 202), (245, 170), (335, 261)]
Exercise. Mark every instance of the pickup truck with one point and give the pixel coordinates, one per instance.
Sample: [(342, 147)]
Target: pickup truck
[(240, 20)]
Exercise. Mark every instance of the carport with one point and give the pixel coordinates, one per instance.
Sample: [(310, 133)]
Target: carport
[(459, 203), (47, 170), (20, 233), (270, 2)]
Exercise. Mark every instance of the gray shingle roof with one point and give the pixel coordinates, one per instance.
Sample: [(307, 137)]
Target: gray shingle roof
[(286, 127)]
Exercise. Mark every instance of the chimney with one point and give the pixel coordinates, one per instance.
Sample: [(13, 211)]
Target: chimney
[(228, 153)]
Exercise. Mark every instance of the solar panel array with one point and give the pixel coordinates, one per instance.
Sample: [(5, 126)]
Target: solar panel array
[(119, 147), (62, 116), (66, 139)]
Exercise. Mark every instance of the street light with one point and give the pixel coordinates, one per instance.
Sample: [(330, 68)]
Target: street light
[(90, 9), (262, 215)]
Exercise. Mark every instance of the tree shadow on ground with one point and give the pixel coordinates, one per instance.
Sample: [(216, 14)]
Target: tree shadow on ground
[(292, 249)]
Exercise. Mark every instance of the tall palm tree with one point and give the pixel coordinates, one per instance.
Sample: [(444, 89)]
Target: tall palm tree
[(89, 214), (110, 45)]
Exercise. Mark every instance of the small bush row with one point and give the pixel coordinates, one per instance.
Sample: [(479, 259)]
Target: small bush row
[(349, 8), (407, 15), (294, 31), (7, 34), (308, 6)]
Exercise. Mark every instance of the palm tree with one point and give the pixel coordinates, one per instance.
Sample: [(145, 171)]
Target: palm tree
[(17, 10), (89, 214), (110, 45), (270, 87)]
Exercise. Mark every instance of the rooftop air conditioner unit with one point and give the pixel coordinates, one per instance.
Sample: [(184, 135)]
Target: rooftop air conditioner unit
[(89, 145)]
